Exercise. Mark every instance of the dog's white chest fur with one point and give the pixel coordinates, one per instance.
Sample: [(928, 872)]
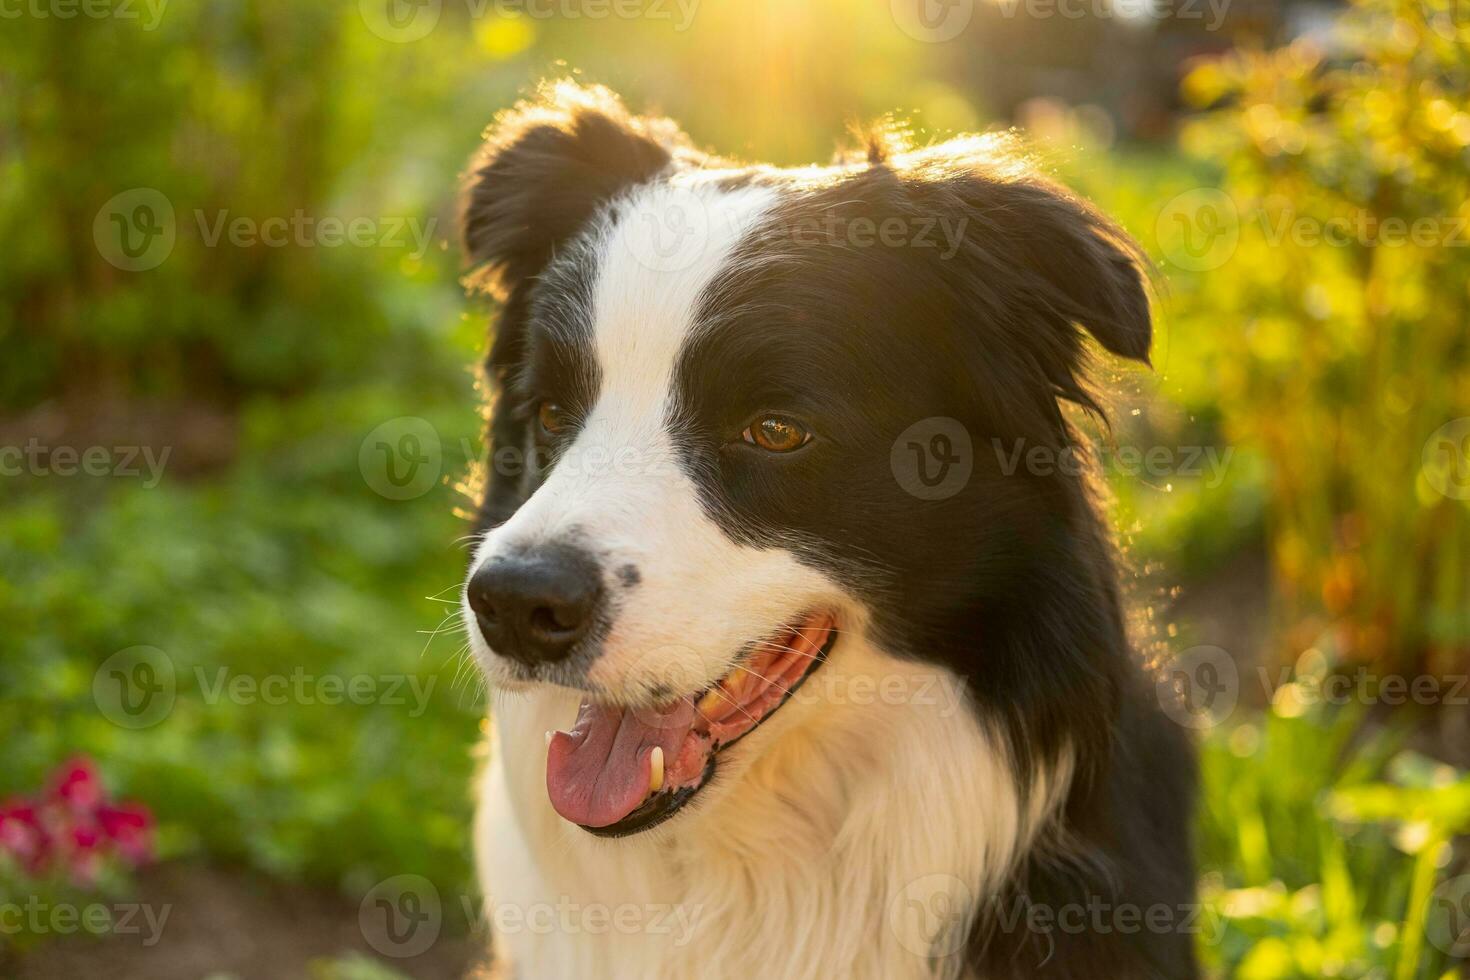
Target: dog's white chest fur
[(852, 846)]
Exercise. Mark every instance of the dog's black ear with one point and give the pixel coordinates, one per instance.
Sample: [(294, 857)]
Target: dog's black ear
[(545, 167), (1089, 272), (1041, 262)]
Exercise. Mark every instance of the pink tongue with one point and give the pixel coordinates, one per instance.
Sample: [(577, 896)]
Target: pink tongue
[(597, 773)]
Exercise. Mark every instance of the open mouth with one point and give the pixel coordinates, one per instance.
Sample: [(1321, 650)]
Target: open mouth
[(620, 771)]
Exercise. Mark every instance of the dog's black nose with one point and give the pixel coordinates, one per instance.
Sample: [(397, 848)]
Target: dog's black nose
[(535, 607)]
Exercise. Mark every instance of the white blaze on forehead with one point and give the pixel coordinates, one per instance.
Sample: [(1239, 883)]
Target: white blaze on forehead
[(667, 245), (619, 489)]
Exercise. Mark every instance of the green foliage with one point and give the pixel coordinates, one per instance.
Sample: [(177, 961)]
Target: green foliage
[(1332, 308), (289, 568), (1323, 840), (231, 111), (354, 967), (1324, 368)]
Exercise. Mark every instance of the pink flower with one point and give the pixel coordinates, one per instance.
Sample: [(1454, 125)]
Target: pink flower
[(130, 829), (76, 785), (75, 827), (85, 837), (23, 837)]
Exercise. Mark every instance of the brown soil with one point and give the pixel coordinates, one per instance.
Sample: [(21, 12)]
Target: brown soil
[(230, 924)]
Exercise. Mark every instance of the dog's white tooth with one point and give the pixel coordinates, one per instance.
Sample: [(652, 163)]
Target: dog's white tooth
[(549, 735), (656, 769)]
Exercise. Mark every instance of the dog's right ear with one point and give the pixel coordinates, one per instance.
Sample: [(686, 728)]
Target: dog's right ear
[(546, 166)]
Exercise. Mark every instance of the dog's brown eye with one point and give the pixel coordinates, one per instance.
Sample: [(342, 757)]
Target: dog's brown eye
[(776, 434), (553, 418)]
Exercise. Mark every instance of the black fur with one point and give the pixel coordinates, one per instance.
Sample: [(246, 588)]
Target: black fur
[(1010, 582)]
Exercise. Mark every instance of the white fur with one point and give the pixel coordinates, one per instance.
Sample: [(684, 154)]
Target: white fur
[(838, 837), (839, 840)]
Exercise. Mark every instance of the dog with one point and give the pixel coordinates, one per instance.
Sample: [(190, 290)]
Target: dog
[(793, 675)]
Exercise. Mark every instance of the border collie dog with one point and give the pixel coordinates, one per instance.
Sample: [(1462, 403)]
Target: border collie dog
[(798, 673)]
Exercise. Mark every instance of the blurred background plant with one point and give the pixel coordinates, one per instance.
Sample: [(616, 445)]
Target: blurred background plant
[(270, 542), (1348, 292)]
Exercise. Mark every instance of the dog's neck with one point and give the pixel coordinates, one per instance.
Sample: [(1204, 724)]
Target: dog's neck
[(853, 836)]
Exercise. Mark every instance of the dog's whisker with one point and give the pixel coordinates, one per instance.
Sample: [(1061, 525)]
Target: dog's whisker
[(738, 706), (753, 673), (442, 625), (447, 624), (474, 680)]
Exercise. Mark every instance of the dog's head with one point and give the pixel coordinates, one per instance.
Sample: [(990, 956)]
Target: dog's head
[(743, 414)]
